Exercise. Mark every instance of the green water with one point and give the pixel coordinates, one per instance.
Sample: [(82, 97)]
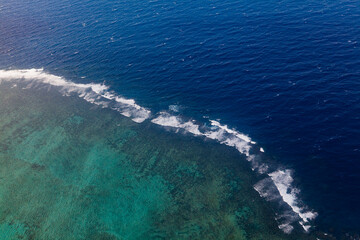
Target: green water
[(72, 170)]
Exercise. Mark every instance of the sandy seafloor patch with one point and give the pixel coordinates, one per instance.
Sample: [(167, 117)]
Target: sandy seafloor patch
[(72, 170)]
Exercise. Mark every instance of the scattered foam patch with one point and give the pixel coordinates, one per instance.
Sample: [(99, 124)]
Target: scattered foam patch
[(276, 186), (167, 120), (94, 93), (174, 108)]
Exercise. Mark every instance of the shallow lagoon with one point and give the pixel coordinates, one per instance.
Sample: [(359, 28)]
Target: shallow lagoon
[(73, 170)]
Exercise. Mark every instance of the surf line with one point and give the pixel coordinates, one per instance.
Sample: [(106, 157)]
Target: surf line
[(276, 186)]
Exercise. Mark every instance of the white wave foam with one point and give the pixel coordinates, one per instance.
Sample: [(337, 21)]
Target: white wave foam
[(231, 131), (221, 133), (167, 120), (283, 182), (267, 189), (229, 137), (94, 93)]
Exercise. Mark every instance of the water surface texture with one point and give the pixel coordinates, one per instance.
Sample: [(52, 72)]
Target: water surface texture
[(74, 171), (271, 86)]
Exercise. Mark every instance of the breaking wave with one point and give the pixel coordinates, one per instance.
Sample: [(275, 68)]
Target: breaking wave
[(94, 93), (276, 186), (279, 186)]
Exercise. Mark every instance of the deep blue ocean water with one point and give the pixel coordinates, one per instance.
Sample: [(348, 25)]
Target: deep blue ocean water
[(285, 73)]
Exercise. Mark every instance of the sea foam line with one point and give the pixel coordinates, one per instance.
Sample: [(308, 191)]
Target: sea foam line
[(277, 185), (94, 93), (221, 133)]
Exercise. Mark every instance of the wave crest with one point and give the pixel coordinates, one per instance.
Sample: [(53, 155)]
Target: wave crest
[(95, 93)]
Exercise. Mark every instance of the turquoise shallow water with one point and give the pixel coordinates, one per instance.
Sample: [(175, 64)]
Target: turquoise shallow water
[(283, 73), (73, 170)]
